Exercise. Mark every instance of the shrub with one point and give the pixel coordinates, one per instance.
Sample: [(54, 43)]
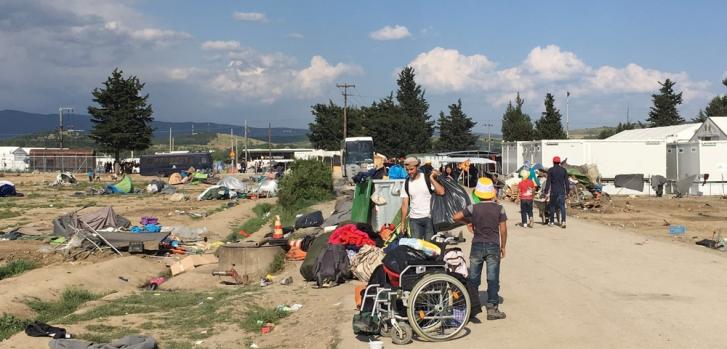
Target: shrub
[(309, 181), (15, 267)]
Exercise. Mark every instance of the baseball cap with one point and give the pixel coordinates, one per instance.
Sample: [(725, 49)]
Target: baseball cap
[(411, 161), (556, 159)]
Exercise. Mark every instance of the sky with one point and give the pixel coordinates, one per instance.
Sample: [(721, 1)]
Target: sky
[(266, 62)]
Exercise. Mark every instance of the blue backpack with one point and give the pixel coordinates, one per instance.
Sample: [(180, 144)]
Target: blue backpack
[(397, 172)]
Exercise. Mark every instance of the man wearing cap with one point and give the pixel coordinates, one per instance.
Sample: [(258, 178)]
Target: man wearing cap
[(417, 198), (489, 221), (556, 186)]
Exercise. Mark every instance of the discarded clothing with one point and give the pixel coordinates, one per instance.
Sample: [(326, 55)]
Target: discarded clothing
[(12, 235), (349, 235), (127, 342), (40, 329)]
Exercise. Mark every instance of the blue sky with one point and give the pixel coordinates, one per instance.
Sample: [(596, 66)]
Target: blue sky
[(269, 61)]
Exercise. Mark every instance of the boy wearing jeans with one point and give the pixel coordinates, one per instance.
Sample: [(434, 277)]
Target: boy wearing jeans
[(526, 188), (488, 245)]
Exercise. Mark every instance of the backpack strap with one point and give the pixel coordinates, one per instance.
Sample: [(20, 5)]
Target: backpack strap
[(427, 180)]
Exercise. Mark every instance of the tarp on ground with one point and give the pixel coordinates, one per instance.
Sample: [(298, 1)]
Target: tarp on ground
[(215, 192), (64, 178), (630, 181), (198, 177), (7, 188), (233, 183), (175, 179)]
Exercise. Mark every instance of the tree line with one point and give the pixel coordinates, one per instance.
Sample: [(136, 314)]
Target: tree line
[(399, 123)]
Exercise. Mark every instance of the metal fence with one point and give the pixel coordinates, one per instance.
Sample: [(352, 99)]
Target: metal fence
[(63, 163)]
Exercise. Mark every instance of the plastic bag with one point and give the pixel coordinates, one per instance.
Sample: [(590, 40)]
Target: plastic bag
[(313, 219), (455, 199)]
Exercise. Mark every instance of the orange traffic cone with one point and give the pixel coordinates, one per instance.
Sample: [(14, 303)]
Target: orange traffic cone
[(278, 230)]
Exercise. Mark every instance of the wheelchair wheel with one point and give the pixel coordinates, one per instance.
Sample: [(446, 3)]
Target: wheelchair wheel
[(439, 307), (401, 337)]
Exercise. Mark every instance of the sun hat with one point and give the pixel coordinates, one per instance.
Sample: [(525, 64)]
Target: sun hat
[(485, 189)]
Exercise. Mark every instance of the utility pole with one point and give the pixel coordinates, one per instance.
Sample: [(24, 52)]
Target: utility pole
[(345, 87), (489, 136), (628, 121), (232, 148), (170, 139), (245, 141), (567, 117), (270, 144), (60, 127)]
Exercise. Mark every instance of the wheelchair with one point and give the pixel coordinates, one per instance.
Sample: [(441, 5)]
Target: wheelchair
[(425, 300)]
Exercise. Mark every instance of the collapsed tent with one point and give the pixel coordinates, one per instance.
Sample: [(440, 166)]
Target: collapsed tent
[(64, 178), (267, 188), (7, 188), (175, 179), (123, 187), (158, 186), (233, 183), (103, 218), (216, 192)]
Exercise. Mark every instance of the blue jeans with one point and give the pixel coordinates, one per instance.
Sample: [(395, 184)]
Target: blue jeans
[(421, 228), (526, 210), (489, 253), (557, 202)]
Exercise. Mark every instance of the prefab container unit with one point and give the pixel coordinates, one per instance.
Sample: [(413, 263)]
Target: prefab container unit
[(699, 158), (611, 157), (13, 159)]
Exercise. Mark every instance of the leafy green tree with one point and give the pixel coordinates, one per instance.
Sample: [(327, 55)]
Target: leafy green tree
[(419, 128), (326, 131), (455, 129), (516, 125), (122, 120), (385, 123), (309, 181), (610, 131), (716, 107), (549, 126), (664, 112)]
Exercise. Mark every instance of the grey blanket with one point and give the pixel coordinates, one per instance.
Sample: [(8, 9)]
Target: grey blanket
[(128, 342)]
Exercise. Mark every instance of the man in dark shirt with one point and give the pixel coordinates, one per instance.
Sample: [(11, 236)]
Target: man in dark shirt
[(489, 221), (557, 188)]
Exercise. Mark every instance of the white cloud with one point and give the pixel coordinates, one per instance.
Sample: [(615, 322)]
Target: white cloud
[(250, 16), (154, 34), (545, 69), (221, 45), (296, 35), (269, 77), (183, 73), (312, 79), (446, 69), (396, 32)]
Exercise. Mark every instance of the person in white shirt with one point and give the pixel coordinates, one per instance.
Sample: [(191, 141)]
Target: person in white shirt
[(416, 199)]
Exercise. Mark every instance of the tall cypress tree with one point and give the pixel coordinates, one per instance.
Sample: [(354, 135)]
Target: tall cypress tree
[(664, 112), (123, 119), (326, 130), (716, 107), (516, 125), (419, 128), (549, 126), (455, 129), (386, 124)]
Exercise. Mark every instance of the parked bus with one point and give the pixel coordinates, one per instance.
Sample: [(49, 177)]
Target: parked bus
[(358, 155), (166, 164)]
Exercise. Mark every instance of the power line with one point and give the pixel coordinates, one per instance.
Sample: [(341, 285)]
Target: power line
[(345, 87)]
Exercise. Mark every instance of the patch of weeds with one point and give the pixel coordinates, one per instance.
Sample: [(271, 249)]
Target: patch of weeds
[(177, 345), (105, 334), (8, 213), (256, 317), (262, 215), (278, 263), (10, 325), (33, 195), (262, 208), (15, 267), (70, 300)]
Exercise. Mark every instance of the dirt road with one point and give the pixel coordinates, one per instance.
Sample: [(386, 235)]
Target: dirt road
[(590, 286)]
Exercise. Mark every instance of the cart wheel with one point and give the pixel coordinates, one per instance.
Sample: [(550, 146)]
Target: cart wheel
[(402, 337)]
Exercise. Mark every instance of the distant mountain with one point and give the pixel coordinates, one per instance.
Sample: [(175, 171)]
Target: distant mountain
[(18, 123)]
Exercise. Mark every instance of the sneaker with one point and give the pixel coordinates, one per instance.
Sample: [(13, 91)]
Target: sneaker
[(562, 225), (493, 313), (530, 223), (550, 224)]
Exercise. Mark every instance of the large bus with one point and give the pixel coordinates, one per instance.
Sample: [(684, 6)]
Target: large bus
[(166, 164), (358, 155)]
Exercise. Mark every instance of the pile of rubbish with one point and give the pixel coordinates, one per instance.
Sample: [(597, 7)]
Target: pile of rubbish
[(64, 179), (230, 187)]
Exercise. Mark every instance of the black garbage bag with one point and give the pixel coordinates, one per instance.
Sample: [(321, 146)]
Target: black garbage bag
[(313, 219), (455, 199)]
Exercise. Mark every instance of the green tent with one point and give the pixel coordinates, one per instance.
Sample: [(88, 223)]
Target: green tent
[(125, 186)]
